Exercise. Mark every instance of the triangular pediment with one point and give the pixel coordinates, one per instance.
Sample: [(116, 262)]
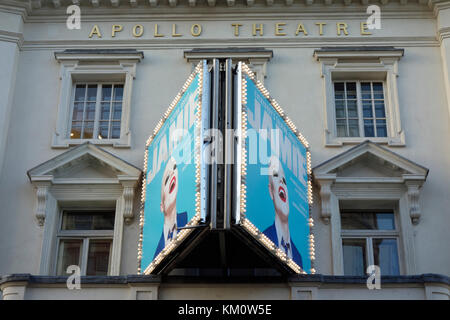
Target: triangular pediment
[(369, 160), (84, 162)]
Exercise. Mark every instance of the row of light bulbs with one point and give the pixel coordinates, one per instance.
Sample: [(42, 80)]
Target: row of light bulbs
[(246, 71), (195, 220)]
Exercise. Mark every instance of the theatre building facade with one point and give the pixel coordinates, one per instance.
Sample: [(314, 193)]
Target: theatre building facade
[(83, 88)]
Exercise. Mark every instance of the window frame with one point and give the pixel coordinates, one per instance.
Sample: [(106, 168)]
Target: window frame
[(106, 66), (98, 102), (85, 236), (366, 63), (369, 234), (360, 108)]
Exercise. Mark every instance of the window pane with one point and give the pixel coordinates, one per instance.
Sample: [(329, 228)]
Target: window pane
[(106, 92), (115, 130), (381, 128), (88, 130), (88, 220), (69, 254), (78, 111), (378, 90), (379, 109), (352, 109), (365, 87), (117, 113), (103, 130), (367, 221), (339, 90), (90, 111), (98, 257), (80, 92), (368, 128), (340, 109), (351, 90), (118, 92), (353, 128), (92, 92), (341, 126), (386, 256), (75, 133), (367, 109), (354, 256), (104, 114)]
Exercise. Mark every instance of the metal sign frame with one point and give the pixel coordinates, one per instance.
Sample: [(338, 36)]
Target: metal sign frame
[(243, 71), (201, 171)]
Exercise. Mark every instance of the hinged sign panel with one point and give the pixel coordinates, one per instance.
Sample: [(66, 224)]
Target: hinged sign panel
[(274, 185), (173, 192)]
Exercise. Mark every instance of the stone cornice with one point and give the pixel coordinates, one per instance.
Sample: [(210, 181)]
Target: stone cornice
[(14, 37), (437, 5), (347, 9), (444, 33)]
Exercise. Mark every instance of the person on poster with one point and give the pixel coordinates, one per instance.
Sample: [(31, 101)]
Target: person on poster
[(172, 219), (278, 232)]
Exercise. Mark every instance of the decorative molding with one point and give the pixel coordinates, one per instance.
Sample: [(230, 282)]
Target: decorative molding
[(402, 187), (443, 33), (325, 184), (129, 186), (53, 193), (102, 64), (380, 63), (413, 185), (42, 189)]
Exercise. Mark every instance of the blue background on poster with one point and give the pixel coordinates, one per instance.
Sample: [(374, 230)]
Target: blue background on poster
[(153, 217), (260, 209)]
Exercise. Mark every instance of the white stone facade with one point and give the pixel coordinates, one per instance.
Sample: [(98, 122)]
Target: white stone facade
[(410, 167)]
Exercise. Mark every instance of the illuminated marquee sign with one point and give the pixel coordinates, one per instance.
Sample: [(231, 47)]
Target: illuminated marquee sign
[(172, 188), (275, 187), (269, 186)]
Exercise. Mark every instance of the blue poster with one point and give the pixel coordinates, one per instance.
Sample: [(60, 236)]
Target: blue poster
[(170, 185), (276, 179)]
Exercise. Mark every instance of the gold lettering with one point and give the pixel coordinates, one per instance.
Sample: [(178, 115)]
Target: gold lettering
[(364, 28), (341, 26), (301, 28), (116, 28), (236, 28), (260, 29), (198, 32), (174, 31), (141, 30), (95, 30), (156, 34), (279, 29), (320, 24)]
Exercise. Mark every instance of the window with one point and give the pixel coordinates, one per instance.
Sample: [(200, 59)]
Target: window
[(95, 97), (360, 109), (361, 95), (369, 238), (96, 111), (369, 196), (85, 239)]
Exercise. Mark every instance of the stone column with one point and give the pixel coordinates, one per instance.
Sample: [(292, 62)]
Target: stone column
[(11, 37), (442, 9)]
